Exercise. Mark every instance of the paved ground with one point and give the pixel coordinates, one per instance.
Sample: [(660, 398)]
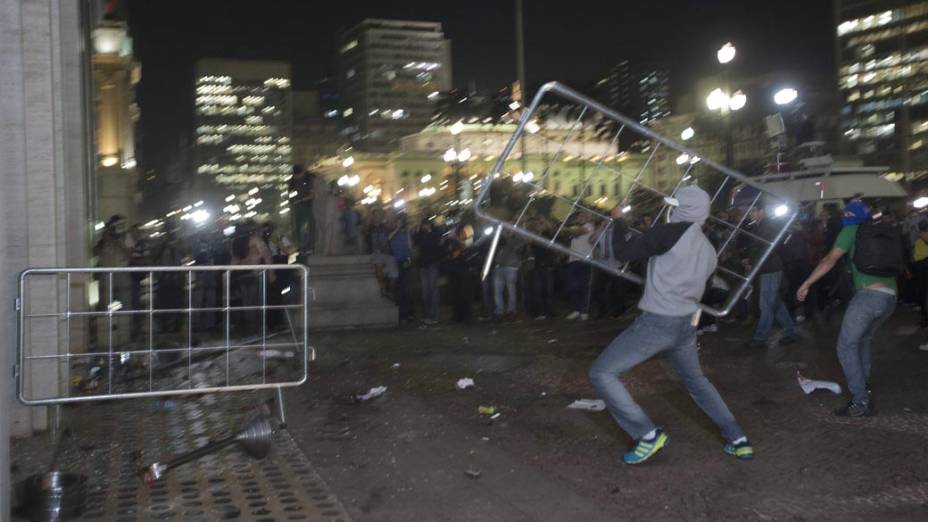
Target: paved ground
[(404, 456), (422, 451), (113, 440)]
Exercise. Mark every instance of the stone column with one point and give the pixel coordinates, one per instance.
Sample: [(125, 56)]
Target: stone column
[(42, 179)]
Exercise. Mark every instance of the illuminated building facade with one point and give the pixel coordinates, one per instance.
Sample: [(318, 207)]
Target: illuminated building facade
[(243, 123), (638, 92), (386, 71), (882, 57), (654, 95), (115, 74)]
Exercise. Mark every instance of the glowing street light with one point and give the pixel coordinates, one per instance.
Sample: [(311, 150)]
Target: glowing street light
[(737, 101), (717, 100), (687, 133), (785, 96), (532, 127), (450, 155), (200, 216), (349, 161), (726, 53), (780, 211), (457, 128), (683, 158), (464, 155)]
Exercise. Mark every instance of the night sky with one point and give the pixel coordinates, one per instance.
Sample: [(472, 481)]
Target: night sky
[(572, 42)]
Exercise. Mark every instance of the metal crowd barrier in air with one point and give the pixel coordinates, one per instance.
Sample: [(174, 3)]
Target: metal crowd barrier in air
[(577, 116), (89, 334)]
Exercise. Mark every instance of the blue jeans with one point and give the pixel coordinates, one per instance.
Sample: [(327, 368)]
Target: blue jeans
[(428, 275), (578, 285), (867, 310), (772, 308), (505, 276), (649, 335)]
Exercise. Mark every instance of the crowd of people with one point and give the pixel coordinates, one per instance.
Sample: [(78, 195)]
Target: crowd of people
[(833, 255)]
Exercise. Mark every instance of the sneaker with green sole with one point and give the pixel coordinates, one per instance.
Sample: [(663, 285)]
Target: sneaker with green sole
[(646, 448), (742, 450)]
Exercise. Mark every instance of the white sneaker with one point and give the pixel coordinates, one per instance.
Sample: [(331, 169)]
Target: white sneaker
[(584, 317), (573, 315), (923, 347)]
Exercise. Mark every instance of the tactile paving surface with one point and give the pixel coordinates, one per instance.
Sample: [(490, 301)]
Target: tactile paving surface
[(113, 440)]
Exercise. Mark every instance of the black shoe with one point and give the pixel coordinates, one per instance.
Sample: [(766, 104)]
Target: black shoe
[(855, 409)]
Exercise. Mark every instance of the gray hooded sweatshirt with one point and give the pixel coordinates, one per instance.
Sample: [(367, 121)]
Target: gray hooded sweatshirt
[(681, 257)]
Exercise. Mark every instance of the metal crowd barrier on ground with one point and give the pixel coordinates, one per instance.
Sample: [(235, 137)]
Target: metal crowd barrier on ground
[(89, 334), (718, 180)]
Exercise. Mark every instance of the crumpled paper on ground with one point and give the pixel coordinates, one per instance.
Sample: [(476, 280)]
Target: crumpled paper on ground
[(374, 393), (810, 385), (588, 405), (465, 383)]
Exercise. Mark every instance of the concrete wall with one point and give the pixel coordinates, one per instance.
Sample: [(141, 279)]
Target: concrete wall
[(42, 201)]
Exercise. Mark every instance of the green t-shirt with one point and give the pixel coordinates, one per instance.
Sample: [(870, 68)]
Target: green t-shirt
[(845, 241)]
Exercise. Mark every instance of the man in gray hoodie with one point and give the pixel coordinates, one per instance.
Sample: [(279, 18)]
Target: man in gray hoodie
[(681, 260)]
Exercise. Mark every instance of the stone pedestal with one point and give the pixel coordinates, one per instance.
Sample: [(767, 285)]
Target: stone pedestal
[(344, 294)]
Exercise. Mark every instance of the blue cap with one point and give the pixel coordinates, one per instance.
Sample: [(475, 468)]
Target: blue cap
[(855, 213)]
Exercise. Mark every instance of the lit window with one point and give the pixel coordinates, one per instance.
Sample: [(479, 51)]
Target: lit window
[(349, 46)]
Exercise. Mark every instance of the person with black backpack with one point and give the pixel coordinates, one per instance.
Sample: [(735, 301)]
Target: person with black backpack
[(875, 252)]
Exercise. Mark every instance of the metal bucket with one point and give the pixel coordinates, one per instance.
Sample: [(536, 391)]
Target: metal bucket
[(54, 496)]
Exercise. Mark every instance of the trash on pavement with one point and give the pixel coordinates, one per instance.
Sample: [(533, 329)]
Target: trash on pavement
[(472, 473), (552, 341), (587, 404), (495, 416), (810, 385), (486, 410), (373, 393), (395, 365), (465, 383)]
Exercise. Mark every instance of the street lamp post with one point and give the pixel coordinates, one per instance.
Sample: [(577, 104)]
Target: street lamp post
[(725, 101), (456, 130)]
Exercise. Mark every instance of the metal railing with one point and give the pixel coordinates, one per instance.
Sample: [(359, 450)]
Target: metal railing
[(90, 334), (693, 169)]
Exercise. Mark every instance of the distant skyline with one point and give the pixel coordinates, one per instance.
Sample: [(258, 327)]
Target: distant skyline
[(574, 45)]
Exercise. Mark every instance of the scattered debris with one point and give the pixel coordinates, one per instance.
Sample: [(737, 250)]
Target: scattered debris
[(486, 410), (472, 473), (544, 394), (465, 383), (485, 439), (395, 365), (467, 340), (373, 393), (495, 416), (588, 405), (552, 341), (810, 385)]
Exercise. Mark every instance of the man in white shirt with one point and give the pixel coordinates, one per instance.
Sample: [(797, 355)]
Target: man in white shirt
[(579, 274)]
